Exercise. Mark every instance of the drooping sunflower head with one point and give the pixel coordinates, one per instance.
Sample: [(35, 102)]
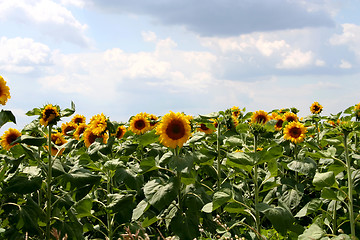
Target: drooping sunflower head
[(295, 132), (290, 117), (235, 111), (80, 130), (139, 123), (316, 108), (153, 120), (357, 111), (279, 122), (57, 140), (205, 129), (4, 91), (174, 130), (78, 119), (90, 137), (8, 137), (67, 127), (260, 117), (120, 132), (49, 115), (98, 124)]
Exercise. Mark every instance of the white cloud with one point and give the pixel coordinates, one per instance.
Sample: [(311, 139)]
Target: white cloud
[(350, 36), (296, 59), (22, 55), (51, 18), (345, 64), (149, 36), (76, 3)]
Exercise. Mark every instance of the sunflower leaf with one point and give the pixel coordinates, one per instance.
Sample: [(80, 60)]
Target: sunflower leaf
[(68, 111), (6, 116), (35, 111)]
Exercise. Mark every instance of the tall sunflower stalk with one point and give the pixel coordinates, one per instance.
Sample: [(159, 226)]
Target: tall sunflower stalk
[(219, 155), (256, 186), (48, 183)]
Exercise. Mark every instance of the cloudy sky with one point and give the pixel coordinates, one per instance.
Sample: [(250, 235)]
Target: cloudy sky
[(123, 57)]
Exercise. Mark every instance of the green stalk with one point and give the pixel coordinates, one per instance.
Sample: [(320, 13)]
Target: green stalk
[(317, 132), (48, 181), (334, 218), (178, 175), (257, 214), (350, 188), (218, 157), (108, 215)]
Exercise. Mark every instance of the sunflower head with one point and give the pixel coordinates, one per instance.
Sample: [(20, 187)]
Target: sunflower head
[(295, 132), (153, 120), (80, 129), (290, 117), (98, 124), (120, 132), (90, 137), (205, 129), (78, 119), (174, 130), (8, 137), (139, 124), (58, 140), (235, 111), (316, 108), (279, 122), (49, 115), (66, 128), (4, 91), (260, 117)]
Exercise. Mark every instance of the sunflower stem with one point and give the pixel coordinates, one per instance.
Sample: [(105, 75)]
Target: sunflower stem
[(48, 181), (257, 214), (218, 157), (350, 187), (108, 214)]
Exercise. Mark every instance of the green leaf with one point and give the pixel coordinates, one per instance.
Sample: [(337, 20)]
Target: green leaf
[(306, 166), (147, 222), (6, 116), (314, 232), (83, 207), (322, 180), (280, 216), (32, 141), (210, 115), (142, 206), (239, 159), (185, 226), (23, 185), (35, 111), (310, 207), (220, 197), (269, 154), (328, 193), (68, 111), (148, 138), (160, 194)]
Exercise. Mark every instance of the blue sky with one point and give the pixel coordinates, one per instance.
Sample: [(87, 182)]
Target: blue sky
[(124, 57)]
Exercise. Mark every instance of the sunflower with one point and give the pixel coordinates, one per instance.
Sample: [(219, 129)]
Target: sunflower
[(90, 137), (98, 124), (279, 122), (57, 139), (153, 120), (8, 137), (139, 124), (120, 131), (174, 130), (49, 115), (273, 115), (4, 91), (260, 117), (80, 130), (235, 111), (295, 132), (78, 119), (290, 117), (66, 128), (205, 129), (316, 108)]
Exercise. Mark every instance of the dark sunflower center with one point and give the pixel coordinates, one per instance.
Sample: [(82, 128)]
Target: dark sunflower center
[(139, 124), (119, 133), (290, 119), (175, 130), (295, 132), (10, 138), (77, 120), (50, 113), (68, 129), (316, 108), (261, 119), (204, 127), (92, 137), (279, 123), (236, 113)]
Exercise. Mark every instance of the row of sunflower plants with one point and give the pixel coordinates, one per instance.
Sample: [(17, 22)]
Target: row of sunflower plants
[(230, 174)]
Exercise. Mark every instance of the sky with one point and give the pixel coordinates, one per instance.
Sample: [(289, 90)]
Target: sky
[(122, 57)]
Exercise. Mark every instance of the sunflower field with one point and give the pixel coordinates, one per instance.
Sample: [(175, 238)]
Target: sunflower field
[(230, 174)]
